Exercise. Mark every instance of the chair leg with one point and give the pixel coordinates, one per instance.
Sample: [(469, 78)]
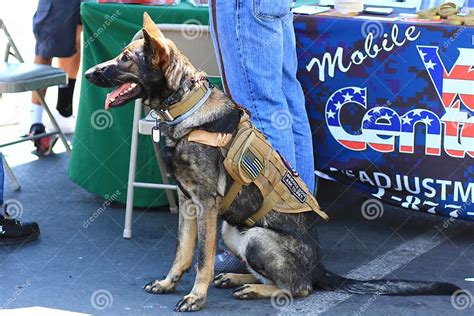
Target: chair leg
[(164, 177), (16, 185), (127, 231), (53, 121)]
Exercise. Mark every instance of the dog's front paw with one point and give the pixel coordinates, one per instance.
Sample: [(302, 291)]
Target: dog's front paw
[(190, 303), (160, 287)]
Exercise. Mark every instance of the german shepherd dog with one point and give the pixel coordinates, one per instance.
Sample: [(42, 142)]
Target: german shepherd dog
[(281, 251)]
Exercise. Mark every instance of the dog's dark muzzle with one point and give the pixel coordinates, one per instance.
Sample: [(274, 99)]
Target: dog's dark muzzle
[(104, 75)]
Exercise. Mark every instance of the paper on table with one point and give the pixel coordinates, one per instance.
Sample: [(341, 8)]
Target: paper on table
[(375, 18), (309, 9)]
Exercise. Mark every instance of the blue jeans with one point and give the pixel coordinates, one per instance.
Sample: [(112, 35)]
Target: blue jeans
[(1, 179), (256, 48)]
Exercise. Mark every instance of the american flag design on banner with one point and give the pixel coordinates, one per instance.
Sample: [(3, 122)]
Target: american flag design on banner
[(348, 95), (449, 83), (251, 164), (432, 126), (392, 114)]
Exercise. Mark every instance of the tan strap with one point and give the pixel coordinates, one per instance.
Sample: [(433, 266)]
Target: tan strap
[(277, 194), (268, 203), (245, 120), (187, 104), (209, 138), (230, 197), (322, 214)]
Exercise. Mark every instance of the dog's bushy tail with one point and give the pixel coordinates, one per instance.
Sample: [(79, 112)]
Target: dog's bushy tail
[(330, 281)]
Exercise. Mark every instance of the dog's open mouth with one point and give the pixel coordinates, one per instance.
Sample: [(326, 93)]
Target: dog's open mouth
[(123, 94)]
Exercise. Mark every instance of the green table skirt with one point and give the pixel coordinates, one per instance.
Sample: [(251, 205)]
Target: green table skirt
[(100, 157)]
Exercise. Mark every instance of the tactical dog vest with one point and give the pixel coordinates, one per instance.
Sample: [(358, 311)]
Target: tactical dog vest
[(249, 158)]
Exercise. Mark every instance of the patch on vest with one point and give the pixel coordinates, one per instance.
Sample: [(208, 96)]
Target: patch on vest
[(294, 187), (287, 165), (251, 164)]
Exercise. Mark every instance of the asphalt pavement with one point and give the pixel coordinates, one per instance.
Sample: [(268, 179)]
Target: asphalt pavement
[(81, 263)]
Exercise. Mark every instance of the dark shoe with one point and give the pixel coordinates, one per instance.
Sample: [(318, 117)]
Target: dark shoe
[(227, 262), (14, 232), (44, 145)]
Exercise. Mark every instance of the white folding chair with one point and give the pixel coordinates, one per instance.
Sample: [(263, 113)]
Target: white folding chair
[(22, 77), (195, 42), (144, 127)]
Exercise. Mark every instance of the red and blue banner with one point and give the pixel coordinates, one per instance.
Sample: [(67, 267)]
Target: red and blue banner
[(391, 107)]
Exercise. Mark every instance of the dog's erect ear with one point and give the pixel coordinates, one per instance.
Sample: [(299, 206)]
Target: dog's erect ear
[(157, 52), (151, 27)]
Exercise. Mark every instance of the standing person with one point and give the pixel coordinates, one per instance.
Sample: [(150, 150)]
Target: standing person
[(255, 46), (57, 28)]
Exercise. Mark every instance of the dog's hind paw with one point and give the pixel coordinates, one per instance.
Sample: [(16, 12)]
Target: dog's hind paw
[(160, 287), (228, 280), (250, 291), (244, 292), (190, 303), (222, 281)]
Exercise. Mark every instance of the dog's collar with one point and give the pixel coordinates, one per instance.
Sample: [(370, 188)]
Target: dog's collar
[(179, 111), (176, 96)]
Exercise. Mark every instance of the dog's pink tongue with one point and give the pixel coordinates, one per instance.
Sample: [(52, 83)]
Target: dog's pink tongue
[(114, 94)]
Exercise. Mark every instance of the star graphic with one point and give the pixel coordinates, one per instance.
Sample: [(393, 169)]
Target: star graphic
[(406, 120), (417, 112), (330, 114), (427, 121), (347, 97), (423, 54), (377, 110), (386, 117), (358, 90), (338, 105), (430, 65), (368, 118)]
